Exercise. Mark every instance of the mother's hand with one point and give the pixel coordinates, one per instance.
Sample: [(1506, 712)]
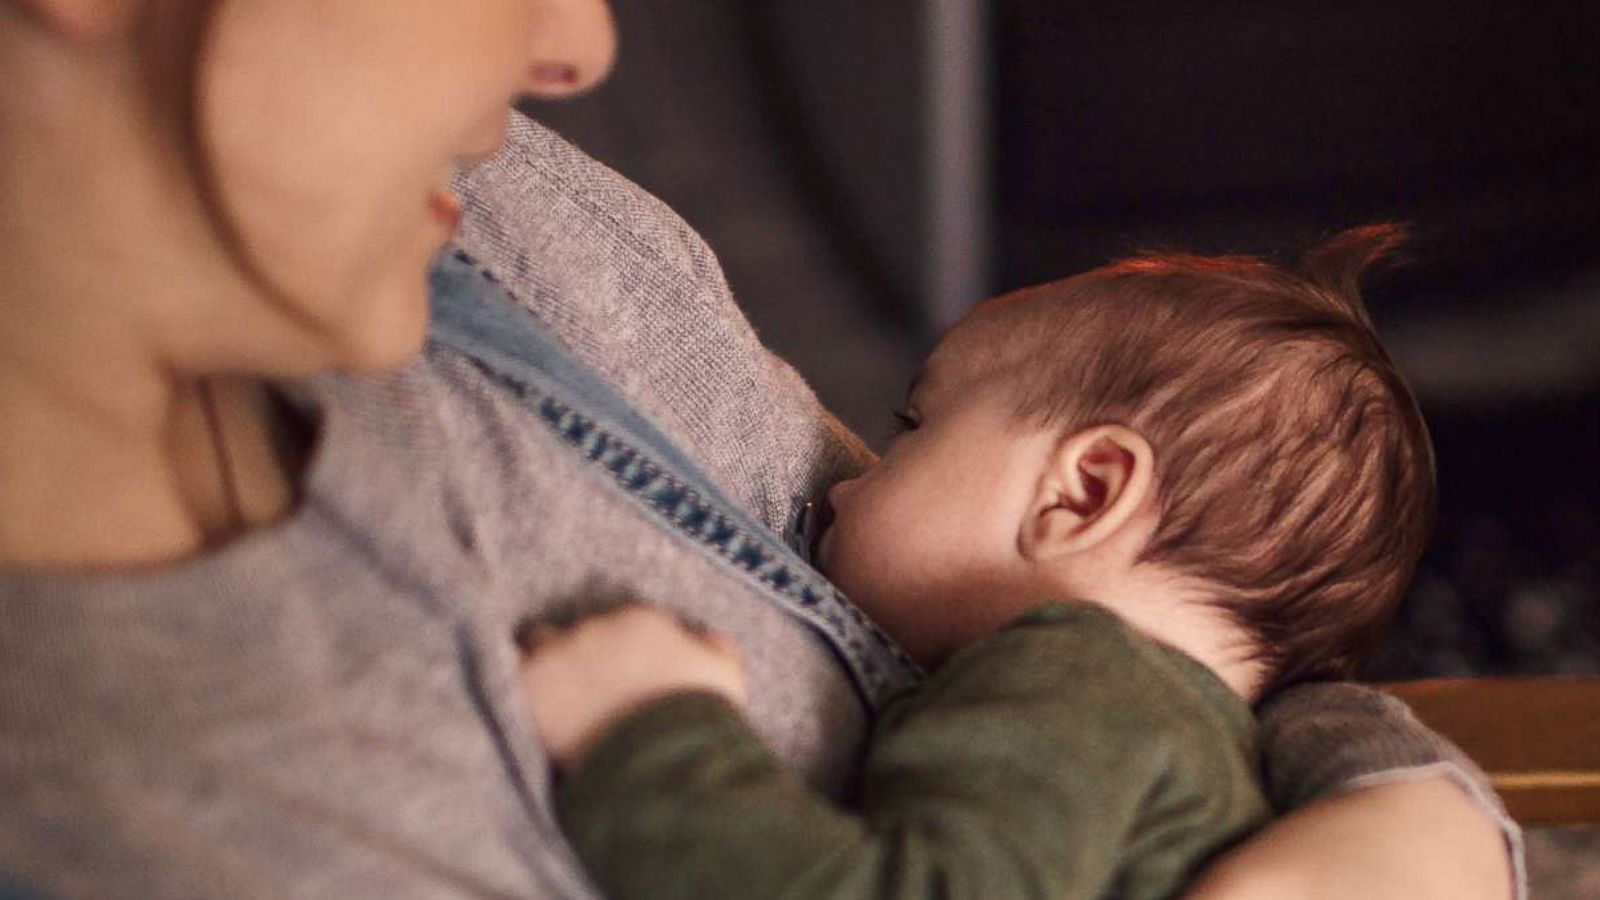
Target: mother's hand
[(1413, 840)]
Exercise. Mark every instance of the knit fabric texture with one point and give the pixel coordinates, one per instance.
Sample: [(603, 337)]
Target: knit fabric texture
[(326, 707)]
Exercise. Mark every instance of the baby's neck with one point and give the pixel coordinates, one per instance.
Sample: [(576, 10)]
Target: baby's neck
[(1204, 633), (1175, 612), (1166, 607)]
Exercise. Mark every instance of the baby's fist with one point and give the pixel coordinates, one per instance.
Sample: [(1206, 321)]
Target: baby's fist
[(579, 680)]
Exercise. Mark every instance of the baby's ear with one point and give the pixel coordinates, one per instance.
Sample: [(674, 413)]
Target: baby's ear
[(1093, 483)]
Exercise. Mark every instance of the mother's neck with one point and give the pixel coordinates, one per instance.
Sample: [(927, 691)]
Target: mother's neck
[(86, 484), (113, 453)]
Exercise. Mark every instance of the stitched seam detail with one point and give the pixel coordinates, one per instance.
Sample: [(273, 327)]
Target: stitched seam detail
[(698, 517)]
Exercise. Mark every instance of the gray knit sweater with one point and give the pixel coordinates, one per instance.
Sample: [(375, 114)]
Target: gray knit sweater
[(326, 709)]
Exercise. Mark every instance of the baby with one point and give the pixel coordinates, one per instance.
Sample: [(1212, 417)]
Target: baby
[(1125, 506)]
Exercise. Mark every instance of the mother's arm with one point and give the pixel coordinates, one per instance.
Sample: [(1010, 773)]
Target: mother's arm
[(640, 299), (1424, 838), (1378, 807)]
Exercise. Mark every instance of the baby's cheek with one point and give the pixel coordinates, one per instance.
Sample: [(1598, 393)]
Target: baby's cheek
[(853, 565)]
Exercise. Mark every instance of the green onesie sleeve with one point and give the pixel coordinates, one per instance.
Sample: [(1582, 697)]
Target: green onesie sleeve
[(1065, 756)]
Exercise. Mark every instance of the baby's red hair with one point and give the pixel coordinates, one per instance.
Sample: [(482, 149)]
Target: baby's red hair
[(1296, 474)]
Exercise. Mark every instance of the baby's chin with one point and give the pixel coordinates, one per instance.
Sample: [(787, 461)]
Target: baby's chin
[(827, 560)]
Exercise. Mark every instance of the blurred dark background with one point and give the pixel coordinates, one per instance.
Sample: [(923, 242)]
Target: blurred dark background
[(866, 171), (1261, 126)]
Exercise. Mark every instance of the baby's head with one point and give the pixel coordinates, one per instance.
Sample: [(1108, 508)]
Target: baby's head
[(1171, 435)]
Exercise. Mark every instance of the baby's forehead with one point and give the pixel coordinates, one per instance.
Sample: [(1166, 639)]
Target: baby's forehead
[(986, 339), (955, 360)]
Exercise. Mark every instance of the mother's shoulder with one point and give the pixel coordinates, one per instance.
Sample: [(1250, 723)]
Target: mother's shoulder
[(543, 207)]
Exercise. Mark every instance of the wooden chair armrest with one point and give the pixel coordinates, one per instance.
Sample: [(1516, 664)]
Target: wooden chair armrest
[(1537, 738)]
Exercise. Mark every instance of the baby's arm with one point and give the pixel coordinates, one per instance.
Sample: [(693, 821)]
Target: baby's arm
[(1019, 771)]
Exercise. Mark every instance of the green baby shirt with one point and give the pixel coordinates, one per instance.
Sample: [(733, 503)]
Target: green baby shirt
[(1065, 756)]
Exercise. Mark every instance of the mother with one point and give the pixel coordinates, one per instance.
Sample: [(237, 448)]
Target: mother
[(263, 558)]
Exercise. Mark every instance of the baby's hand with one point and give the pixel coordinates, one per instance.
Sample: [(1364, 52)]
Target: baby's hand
[(578, 680)]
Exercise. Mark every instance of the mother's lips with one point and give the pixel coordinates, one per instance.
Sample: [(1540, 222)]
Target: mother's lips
[(446, 207)]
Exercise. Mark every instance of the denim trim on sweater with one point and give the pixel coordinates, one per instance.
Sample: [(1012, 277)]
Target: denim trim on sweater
[(473, 314)]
